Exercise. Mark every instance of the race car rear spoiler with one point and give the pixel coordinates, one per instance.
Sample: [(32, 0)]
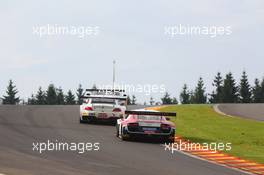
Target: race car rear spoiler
[(108, 97), (173, 114), (105, 90), (105, 93)]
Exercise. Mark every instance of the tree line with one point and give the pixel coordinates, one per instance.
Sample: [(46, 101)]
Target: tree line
[(226, 90), (51, 96), (55, 96)]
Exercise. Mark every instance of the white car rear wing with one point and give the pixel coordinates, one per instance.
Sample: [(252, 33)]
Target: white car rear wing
[(105, 93), (104, 96), (105, 90), (109, 92)]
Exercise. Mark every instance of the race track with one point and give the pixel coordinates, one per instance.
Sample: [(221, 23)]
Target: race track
[(249, 111), (20, 126)]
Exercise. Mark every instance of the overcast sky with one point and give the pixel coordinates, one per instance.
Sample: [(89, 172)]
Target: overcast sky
[(132, 33)]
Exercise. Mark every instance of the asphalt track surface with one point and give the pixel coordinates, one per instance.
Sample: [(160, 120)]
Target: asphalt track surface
[(249, 111), (20, 126)]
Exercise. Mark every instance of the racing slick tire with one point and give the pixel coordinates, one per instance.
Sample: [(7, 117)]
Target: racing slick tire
[(123, 136), (89, 120), (117, 130), (170, 138), (82, 121)]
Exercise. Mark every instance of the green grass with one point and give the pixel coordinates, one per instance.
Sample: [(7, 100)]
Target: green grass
[(200, 124)]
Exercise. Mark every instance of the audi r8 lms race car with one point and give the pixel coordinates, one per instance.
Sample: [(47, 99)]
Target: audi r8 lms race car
[(102, 104), (145, 123)]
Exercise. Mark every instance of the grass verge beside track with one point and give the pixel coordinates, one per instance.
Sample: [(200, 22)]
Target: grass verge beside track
[(201, 124)]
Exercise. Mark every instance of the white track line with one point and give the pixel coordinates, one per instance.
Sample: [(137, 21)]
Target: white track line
[(217, 110)]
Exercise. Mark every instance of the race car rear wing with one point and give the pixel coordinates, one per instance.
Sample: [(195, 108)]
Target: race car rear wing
[(171, 114), (114, 92), (105, 90), (104, 96), (105, 93)]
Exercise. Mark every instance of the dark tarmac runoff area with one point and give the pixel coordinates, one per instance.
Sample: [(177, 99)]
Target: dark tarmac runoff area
[(249, 111)]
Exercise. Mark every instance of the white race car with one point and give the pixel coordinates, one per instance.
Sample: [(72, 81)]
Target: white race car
[(102, 104)]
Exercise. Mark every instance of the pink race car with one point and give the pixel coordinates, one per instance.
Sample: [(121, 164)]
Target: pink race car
[(147, 124)]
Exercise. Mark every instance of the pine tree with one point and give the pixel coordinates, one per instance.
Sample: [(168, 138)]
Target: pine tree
[(133, 101), (262, 91), (256, 92), (40, 97), (79, 94), (166, 99), (128, 100), (11, 92), (51, 95), (32, 100), (70, 98), (245, 90), (174, 101), (212, 98), (199, 93), (230, 90), (60, 96), (151, 101), (192, 97), (185, 95), (216, 96)]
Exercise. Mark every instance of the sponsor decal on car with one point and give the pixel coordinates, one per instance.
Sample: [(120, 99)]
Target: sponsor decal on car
[(149, 124)]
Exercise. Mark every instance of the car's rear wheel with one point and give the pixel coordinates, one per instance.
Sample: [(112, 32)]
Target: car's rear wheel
[(124, 135), (172, 139), (117, 130), (87, 120), (81, 121), (169, 139), (172, 136)]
